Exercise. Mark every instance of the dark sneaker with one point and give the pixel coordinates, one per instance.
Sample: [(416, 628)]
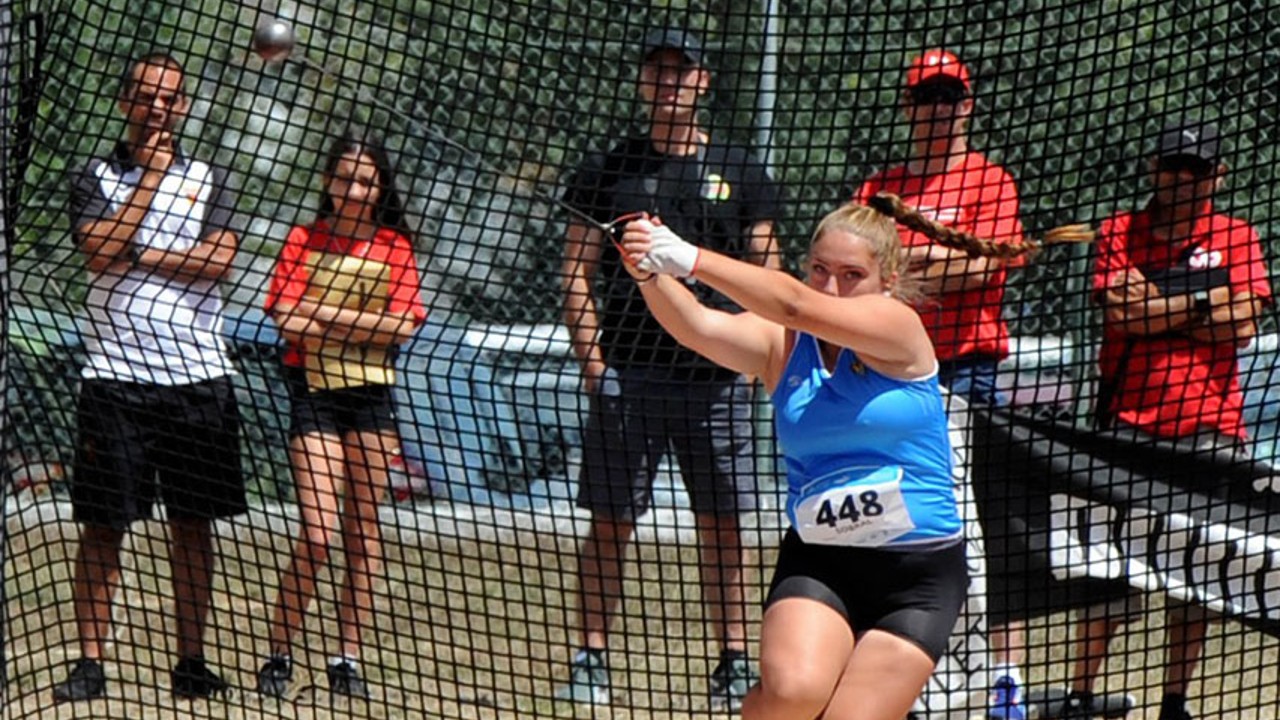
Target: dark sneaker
[(344, 679), (274, 677), (1175, 714), (1079, 705), (192, 679), (1060, 704), (1005, 702), (730, 681), (85, 682), (588, 681)]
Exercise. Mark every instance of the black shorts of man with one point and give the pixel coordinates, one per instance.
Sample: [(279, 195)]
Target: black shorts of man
[(648, 395), (156, 410)]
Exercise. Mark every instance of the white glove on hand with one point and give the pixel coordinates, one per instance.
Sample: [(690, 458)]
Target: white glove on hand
[(668, 253)]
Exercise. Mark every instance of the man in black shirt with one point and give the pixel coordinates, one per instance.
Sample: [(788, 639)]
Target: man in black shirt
[(648, 394)]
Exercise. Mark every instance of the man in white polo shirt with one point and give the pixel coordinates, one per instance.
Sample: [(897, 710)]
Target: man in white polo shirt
[(157, 413)]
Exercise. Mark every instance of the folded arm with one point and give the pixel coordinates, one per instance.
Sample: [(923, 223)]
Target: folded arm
[(1234, 321), (1134, 305), (329, 323), (209, 259), (945, 270), (105, 242)]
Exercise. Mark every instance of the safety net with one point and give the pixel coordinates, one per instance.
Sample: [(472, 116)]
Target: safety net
[(535, 358)]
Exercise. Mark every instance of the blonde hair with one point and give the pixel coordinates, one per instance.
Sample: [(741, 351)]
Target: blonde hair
[(892, 206), (881, 235)]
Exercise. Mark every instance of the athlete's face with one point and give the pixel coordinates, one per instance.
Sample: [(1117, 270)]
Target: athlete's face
[(937, 111), (154, 101), (843, 264), (670, 85), (354, 187), (1186, 179)]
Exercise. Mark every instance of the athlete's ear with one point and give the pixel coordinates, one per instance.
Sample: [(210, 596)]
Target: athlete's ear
[(890, 283)]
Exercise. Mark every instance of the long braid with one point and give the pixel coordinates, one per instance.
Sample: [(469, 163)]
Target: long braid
[(893, 206)]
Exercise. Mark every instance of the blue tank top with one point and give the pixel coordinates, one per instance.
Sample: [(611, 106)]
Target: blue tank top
[(853, 432)]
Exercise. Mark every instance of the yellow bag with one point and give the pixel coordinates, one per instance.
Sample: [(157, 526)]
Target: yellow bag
[(352, 283)]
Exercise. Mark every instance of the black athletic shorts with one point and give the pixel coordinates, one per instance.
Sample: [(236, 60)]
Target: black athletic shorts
[(635, 420), (915, 595), (138, 440), (364, 408)]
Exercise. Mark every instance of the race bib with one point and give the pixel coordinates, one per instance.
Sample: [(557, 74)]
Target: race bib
[(858, 506)]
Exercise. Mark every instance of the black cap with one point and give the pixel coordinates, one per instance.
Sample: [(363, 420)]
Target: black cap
[(1189, 137), (673, 39)]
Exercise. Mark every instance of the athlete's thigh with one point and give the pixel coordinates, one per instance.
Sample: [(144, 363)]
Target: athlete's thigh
[(882, 679), (113, 480), (196, 444), (805, 646)]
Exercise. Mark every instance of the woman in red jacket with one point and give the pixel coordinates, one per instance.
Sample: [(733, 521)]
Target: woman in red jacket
[(345, 292)]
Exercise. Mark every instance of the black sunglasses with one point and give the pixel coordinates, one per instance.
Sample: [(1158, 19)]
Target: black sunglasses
[(1176, 164), (937, 93)]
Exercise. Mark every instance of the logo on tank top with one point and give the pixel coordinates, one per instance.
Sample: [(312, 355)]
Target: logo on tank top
[(858, 367), (715, 187)]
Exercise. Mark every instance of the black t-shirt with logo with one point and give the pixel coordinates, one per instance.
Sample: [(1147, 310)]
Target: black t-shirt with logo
[(711, 198)]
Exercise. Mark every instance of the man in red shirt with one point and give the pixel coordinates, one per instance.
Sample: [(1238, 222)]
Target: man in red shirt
[(1181, 287), (949, 182)]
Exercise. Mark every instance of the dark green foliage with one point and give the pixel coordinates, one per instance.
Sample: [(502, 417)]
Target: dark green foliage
[(1069, 96)]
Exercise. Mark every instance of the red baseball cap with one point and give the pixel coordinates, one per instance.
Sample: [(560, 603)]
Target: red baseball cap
[(934, 64)]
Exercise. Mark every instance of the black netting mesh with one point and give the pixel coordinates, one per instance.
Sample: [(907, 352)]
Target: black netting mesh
[(410, 399)]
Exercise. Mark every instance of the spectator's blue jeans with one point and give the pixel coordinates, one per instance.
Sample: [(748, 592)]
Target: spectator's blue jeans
[(972, 378)]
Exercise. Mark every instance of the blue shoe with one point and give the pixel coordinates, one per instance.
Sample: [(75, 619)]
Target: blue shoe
[(588, 680), (1005, 702), (86, 682), (729, 685)]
